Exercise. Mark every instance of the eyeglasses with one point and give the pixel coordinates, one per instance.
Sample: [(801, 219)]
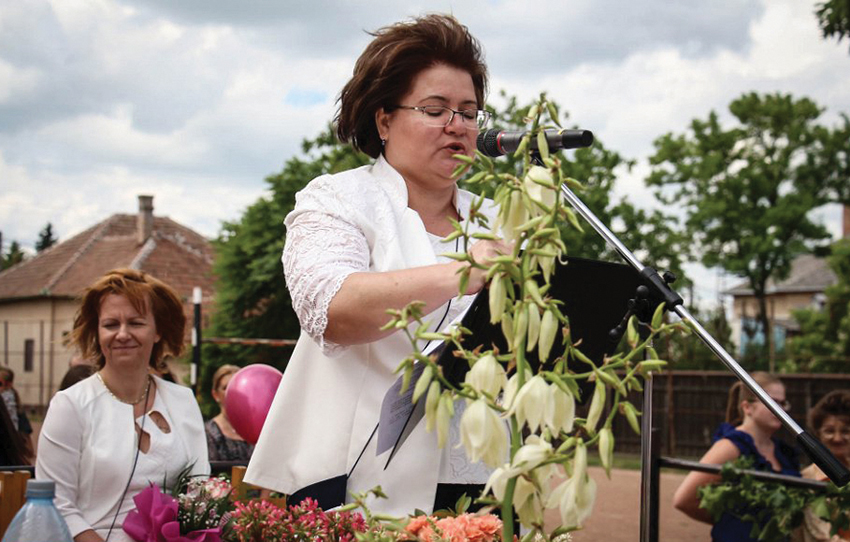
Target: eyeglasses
[(784, 404), (832, 433), (439, 116)]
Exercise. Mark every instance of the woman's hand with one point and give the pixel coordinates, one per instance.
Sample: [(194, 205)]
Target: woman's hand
[(483, 252)]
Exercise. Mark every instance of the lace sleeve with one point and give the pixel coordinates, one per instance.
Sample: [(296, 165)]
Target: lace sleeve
[(321, 251)]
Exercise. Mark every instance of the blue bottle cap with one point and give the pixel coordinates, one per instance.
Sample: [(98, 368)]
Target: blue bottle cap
[(43, 489)]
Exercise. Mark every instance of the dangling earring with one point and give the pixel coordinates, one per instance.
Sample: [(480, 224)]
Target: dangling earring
[(383, 142)]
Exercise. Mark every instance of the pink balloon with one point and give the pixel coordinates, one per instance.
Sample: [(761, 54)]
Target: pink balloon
[(249, 396)]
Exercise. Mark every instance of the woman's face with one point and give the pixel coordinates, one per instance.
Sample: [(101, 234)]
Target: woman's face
[(835, 435), (422, 153), (760, 413), (125, 335), (219, 392)]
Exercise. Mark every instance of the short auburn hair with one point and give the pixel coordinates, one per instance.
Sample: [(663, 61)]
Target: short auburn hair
[(835, 403), (385, 71), (140, 289)]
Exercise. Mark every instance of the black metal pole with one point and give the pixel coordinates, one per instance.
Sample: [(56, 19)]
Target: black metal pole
[(196, 340)]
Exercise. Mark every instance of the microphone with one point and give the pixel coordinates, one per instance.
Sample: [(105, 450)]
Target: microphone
[(495, 143)]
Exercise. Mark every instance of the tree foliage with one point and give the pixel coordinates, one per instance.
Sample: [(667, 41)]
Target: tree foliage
[(45, 238), (824, 341), (747, 190), (13, 255), (834, 18), (650, 234), (251, 297)]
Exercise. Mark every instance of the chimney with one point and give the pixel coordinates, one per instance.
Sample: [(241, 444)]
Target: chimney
[(845, 231), (144, 221)]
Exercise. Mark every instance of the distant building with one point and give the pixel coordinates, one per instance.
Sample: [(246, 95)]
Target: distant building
[(39, 297), (804, 287)]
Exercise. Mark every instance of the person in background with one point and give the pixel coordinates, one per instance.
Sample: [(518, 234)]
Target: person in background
[(829, 421), (223, 442), (369, 239), (111, 435), (16, 410), (748, 431), (12, 449), (76, 373)]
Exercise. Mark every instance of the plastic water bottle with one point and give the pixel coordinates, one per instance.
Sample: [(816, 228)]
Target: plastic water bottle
[(38, 520)]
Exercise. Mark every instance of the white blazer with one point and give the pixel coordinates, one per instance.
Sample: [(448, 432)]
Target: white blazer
[(88, 442), (326, 408)]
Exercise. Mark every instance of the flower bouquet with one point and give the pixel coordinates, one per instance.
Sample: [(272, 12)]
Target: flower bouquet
[(261, 521), (199, 511)]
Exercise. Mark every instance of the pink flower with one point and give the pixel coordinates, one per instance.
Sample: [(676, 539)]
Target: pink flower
[(462, 528), (153, 510)]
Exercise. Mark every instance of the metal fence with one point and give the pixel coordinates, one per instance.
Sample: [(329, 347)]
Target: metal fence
[(689, 405)]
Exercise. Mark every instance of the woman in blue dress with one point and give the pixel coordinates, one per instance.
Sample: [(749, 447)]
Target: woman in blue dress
[(748, 431)]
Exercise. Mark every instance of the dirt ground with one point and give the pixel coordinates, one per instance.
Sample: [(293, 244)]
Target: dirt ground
[(616, 516)]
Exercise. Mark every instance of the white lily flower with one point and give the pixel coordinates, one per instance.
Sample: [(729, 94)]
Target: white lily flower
[(529, 406), (498, 481), (487, 376), (533, 452), (574, 498), (561, 411), (483, 434), (527, 503)]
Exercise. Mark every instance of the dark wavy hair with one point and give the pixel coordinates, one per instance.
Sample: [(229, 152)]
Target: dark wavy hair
[(138, 287), (835, 403), (385, 71)]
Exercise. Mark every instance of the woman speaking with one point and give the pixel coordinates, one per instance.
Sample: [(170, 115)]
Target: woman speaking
[(367, 240)]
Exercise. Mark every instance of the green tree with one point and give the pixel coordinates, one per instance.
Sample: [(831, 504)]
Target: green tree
[(824, 341), (45, 238), (13, 256), (834, 18), (648, 233), (747, 190)]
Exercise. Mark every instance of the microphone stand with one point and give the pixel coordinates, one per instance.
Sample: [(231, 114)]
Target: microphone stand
[(813, 448)]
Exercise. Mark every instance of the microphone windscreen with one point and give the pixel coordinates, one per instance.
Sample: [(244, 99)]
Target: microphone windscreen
[(488, 143)]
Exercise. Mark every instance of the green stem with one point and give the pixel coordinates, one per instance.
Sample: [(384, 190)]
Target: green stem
[(508, 502)]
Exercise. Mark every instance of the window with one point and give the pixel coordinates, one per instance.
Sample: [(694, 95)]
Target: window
[(29, 355)]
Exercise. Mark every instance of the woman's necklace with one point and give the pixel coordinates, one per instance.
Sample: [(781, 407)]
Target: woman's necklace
[(136, 402)]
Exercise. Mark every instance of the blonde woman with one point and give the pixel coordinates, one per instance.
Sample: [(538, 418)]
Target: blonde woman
[(748, 431), (223, 442)]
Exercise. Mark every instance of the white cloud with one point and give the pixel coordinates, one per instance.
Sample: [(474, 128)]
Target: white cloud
[(197, 101)]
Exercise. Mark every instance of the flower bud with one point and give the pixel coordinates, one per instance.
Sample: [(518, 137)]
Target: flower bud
[(432, 401), (520, 327), (445, 412), (423, 382), (498, 297), (606, 448), (508, 327), (548, 332), (596, 405), (533, 327), (631, 416)]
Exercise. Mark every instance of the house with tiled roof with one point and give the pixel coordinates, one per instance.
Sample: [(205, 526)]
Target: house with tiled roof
[(810, 275), (38, 297)]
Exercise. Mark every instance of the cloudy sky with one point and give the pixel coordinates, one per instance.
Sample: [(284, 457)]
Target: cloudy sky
[(197, 101)]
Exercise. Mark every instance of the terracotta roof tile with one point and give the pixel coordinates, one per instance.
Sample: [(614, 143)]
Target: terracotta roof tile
[(174, 253)]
